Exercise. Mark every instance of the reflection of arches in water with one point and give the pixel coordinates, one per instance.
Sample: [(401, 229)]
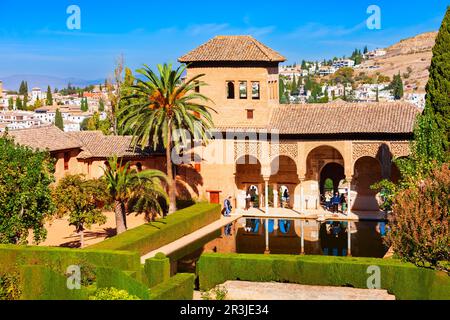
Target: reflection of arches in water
[(367, 172), (333, 171), (333, 238)]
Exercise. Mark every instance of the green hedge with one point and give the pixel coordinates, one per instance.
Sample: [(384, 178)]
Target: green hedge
[(179, 287), (113, 278), (12, 256), (154, 235), (404, 280), (157, 270), (42, 283)]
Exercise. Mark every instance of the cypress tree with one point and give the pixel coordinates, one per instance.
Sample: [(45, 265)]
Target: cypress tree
[(281, 90), (49, 100), (59, 122), (101, 106), (84, 105), (438, 86)]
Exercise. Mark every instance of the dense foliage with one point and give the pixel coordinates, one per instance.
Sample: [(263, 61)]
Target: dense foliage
[(25, 194), (81, 201), (128, 188), (420, 223), (112, 294)]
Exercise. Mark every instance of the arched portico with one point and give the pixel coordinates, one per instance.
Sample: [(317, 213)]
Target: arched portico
[(367, 171), (322, 162)]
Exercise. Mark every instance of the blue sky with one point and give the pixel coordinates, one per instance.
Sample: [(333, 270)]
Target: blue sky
[(34, 38)]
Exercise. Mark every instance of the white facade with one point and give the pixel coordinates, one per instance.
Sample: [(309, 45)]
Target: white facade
[(14, 120), (343, 63)]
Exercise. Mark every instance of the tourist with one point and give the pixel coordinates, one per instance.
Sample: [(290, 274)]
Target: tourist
[(248, 199), (227, 206), (286, 197), (344, 202), (335, 202)]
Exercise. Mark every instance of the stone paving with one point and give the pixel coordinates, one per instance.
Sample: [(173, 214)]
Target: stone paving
[(244, 290)]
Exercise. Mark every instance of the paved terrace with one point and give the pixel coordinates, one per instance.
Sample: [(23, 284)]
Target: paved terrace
[(244, 290)]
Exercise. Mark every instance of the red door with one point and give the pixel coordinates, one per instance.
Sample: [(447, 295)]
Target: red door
[(214, 197)]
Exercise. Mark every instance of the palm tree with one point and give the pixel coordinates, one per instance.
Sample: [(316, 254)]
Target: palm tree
[(124, 184), (162, 109)]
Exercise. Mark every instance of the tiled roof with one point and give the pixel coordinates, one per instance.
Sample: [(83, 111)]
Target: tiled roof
[(342, 118), (97, 145), (232, 48), (45, 138)]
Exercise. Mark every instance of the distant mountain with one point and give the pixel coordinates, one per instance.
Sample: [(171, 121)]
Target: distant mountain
[(42, 81), (411, 57)]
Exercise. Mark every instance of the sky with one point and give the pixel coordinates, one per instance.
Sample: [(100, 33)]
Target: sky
[(35, 39)]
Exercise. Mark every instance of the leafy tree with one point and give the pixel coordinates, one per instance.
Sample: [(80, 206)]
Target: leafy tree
[(165, 108), (124, 184), (79, 199), (25, 102), (101, 105), (10, 103), (59, 122), (438, 86), (19, 105), (420, 224), (95, 124), (37, 104), (343, 76), (49, 100), (25, 194), (426, 151)]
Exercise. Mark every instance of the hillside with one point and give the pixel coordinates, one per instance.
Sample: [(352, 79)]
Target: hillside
[(409, 56)]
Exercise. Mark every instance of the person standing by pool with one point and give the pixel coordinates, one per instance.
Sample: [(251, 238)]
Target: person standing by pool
[(227, 207), (335, 202)]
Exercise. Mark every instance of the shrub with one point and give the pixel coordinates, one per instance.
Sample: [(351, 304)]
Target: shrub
[(404, 280), (420, 221), (59, 259), (179, 287), (112, 294), (157, 269), (10, 286), (151, 236)]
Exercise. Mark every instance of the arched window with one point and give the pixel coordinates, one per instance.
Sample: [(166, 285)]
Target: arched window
[(230, 90)]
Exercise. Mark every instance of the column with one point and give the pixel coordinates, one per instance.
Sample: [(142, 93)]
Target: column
[(302, 236), (349, 198), (275, 195), (266, 198), (349, 240)]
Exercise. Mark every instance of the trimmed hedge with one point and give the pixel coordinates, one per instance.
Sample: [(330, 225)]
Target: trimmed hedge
[(12, 256), (41, 283), (179, 287), (157, 270), (151, 236), (113, 278), (404, 280)]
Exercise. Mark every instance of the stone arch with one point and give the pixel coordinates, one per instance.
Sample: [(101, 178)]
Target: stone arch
[(333, 171), (247, 173), (319, 157), (367, 171), (284, 173)]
